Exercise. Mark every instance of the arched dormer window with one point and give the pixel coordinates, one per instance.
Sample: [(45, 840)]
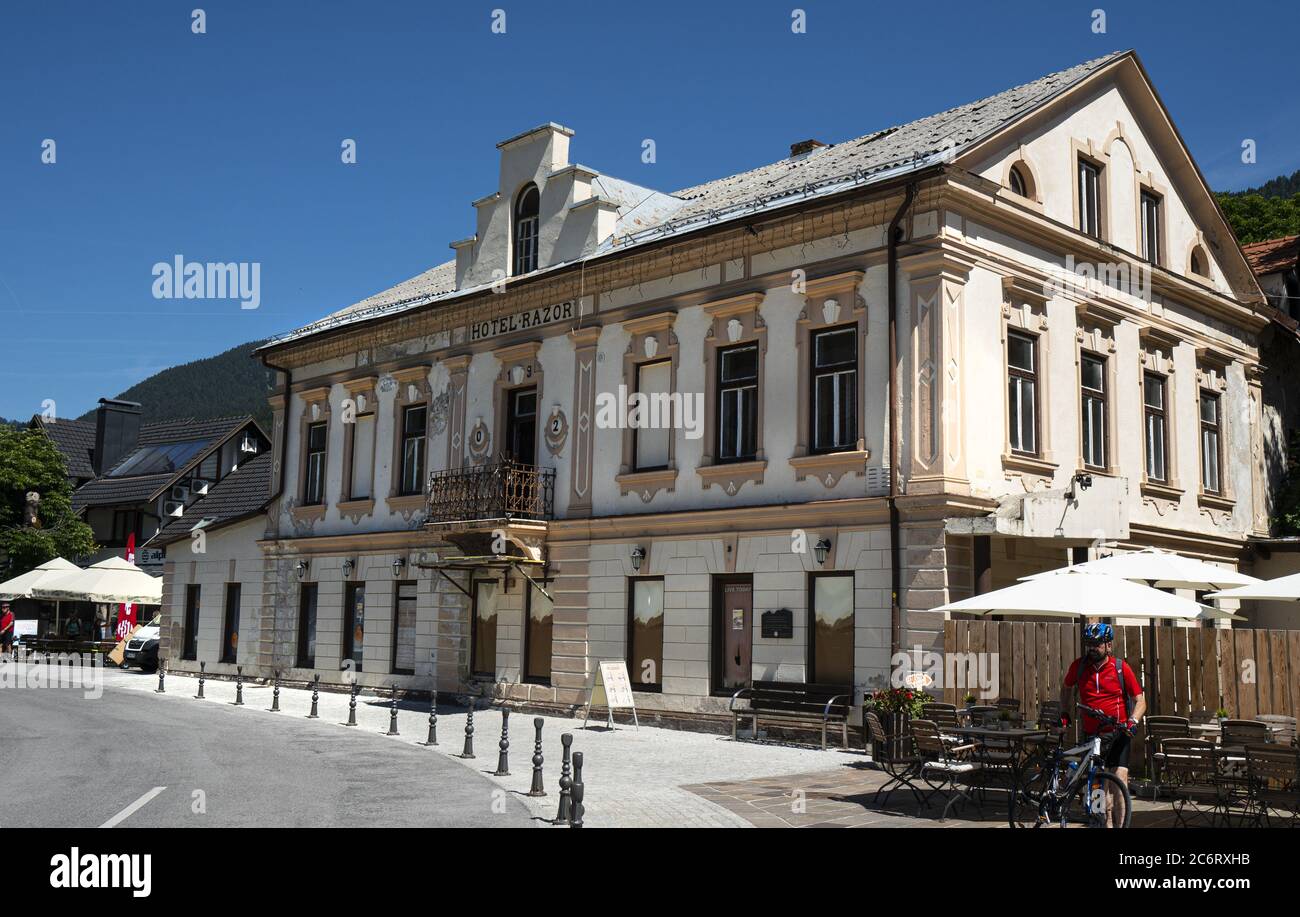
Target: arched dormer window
[(527, 205), (1198, 264), (1016, 181)]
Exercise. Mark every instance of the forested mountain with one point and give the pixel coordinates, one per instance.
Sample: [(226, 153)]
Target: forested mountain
[(1267, 212)]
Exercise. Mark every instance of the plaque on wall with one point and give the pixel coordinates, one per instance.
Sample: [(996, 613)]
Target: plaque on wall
[(778, 624)]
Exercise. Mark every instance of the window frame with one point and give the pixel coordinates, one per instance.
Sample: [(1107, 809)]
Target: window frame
[(811, 675), (414, 599), (852, 366), (634, 671), (1085, 394), (722, 388), (422, 441), (524, 250), (1094, 227), (1162, 413), (474, 625), (301, 658), (236, 591), (526, 640), (1034, 379), (190, 626), (309, 496), (1204, 426), (1151, 236), (348, 649)]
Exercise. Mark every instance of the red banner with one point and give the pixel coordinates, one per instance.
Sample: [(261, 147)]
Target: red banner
[(126, 617)]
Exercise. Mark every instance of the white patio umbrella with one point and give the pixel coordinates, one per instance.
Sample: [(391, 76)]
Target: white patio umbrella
[(1084, 595), (111, 582), (1162, 569), (1282, 589), (20, 587)]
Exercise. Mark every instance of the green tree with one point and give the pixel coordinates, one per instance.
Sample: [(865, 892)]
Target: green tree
[(1255, 218), (29, 462), (1286, 514)]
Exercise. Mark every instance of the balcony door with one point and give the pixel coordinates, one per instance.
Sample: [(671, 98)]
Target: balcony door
[(521, 426)]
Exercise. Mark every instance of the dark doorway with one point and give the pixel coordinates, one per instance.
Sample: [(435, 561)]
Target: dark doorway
[(733, 632), (521, 426), (230, 626), (354, 625)]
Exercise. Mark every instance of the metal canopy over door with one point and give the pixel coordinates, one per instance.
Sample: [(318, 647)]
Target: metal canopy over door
[(733, 619)]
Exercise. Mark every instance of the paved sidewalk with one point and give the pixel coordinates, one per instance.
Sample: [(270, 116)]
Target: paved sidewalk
[(634, 778)]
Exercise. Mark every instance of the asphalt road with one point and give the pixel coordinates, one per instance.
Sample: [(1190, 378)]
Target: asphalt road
[(69, 761)]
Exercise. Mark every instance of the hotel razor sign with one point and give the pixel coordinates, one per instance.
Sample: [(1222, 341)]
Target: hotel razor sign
[(522, 321)]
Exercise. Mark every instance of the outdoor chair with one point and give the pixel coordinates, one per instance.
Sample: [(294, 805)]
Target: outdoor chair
[(1283, 727), (945, 717), (977, 711), (1158, 729), (1191, 769), (895, 756), (1244, 732), (942, 764), (1201, 717), (1274, 775), (1007, 703), (998, 758)]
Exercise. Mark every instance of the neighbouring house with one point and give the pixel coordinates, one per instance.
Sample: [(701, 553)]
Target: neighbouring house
[(758, 428)]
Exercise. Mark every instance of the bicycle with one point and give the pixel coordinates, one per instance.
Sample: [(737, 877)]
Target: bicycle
[(1074, 776)]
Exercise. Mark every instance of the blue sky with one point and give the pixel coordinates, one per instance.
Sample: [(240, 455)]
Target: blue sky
[(225, 146)]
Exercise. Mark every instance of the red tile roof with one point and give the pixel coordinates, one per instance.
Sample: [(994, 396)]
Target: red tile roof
[(1273, 255)]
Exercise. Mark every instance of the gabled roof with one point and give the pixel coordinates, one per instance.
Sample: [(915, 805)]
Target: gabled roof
[(117, 491), (859, 162), (188, 430), (242, 493), (1273, 255), (75, 440)]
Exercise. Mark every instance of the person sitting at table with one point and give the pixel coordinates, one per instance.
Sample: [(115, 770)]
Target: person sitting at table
[(1108, 684)]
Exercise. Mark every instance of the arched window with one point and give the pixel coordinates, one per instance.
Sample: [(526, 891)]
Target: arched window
[(1198, 264), (1016, 181), (525, 237)]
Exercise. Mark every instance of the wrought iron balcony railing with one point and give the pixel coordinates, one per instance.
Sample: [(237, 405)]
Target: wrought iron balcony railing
[(505, 490)]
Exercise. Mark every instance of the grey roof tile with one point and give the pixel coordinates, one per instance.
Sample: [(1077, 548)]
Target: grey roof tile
[(244, 491)]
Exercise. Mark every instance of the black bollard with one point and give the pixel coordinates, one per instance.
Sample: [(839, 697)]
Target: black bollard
[(503, 757), (433, 720), (239, 686), (315, 697), (352, 706), (202, 667), (468, 750), (275, 693), (579, 789), (562, 816), (538, 787), (162, 671), (392, 715)]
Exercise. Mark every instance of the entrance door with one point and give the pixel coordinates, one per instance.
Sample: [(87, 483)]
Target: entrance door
[(521, 425), (733, 604)]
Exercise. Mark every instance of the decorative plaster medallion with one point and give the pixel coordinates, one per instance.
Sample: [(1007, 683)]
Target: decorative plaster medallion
[(557, 430), (651, 345), (441, 406), (516, 374), (387, 383), (480, 441)]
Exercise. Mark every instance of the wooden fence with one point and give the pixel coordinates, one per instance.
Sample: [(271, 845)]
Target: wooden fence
[(1182, 669)]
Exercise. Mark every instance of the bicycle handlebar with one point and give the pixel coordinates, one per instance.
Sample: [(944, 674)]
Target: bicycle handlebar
[(1104, 719)]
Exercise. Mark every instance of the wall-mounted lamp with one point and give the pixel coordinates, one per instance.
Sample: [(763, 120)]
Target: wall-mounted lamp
[(638, 556), (348, 566), (300, 568), (399, 564), (822, 549)]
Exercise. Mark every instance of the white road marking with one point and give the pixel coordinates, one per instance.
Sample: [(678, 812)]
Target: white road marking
[(132, 808)]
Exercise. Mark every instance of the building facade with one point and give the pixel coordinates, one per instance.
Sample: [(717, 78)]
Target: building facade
[(756, 429)]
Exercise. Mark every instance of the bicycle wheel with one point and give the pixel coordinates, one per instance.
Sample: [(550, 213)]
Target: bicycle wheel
[(1032, 806), (1107, 803)]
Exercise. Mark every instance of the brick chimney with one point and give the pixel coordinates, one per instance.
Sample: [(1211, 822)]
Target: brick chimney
[(804, 146), (117, 428)]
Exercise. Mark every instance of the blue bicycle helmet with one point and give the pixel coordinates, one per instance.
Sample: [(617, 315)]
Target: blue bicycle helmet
[(1098, 633)]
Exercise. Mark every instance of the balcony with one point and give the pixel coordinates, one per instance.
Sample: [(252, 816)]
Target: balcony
[(505, 492)]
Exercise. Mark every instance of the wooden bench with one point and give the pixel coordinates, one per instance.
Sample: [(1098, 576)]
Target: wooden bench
[(794, 704)]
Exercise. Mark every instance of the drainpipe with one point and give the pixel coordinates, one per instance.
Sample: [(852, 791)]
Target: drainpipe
[(895, 529), (284, 434)]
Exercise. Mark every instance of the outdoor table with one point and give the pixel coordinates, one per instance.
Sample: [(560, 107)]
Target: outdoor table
[(1017, 761)]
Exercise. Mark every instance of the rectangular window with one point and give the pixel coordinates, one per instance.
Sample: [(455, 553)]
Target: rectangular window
[(363, 457), (737, 404), (537, 636), (1090, 199), (1022, 392), (1156, 423), (314, 487), (307, 626), (404, 629), (413, 421), (1211, 474), (521, 425), (835, 389), (484, 638), (653, 433), (1092, 378), (1151, 227), (645, 633), (230, 625), (830, 628), (354, 625), (190, 641)]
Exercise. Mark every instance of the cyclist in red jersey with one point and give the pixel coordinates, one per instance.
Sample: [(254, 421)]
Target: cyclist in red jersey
[(1109, 685)]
